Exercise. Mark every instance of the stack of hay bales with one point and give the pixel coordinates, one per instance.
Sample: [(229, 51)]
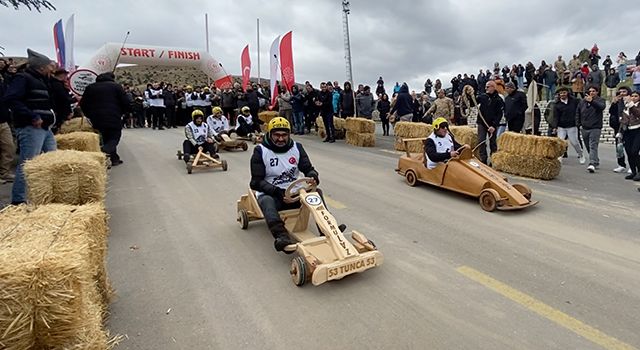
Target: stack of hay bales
[(54, 291), (76, 124), (338, 125), (360, 132), (528, 155), (79, 141), (67, 176), (466, 135), (410, 130)]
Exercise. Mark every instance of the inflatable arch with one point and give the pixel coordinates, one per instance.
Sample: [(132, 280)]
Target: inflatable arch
[(105, 59)]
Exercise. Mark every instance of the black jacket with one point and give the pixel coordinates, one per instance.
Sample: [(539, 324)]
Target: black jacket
[(589, 114), (28, 97), (564, 115), (104, 102), (326, 98), (169, 98), (259, 171), (346, 102), (4, 110), (615, 113), (252, 100), (404, 102), (515, 104), (492, 109), (431, 151), (61, 100)]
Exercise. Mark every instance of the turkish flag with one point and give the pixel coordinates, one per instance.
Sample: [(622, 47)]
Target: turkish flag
[(224, 83), (245, 63), (286, 61)]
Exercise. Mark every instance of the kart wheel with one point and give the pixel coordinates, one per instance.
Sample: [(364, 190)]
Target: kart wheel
[(411, 178), (189, 168), (489, 199), (179, 155), (524, 189), (225, 166), (244, 146), (298, 271), (243, 219)]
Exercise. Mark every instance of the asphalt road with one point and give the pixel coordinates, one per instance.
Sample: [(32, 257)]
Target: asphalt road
[(562, 275)]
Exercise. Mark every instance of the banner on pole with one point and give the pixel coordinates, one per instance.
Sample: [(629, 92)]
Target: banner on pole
[(245, 64)]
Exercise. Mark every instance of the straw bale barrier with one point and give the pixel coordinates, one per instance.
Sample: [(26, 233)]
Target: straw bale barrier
[(465, 135), (361, 139), (360, 125), (50, 259), (338, 125), (409, 130), (266, 116), (76, 124), (532, 146), (79, 141), (67, 177), (529, 166)]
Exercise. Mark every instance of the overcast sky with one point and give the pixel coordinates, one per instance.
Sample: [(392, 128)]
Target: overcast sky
[(398, 40)]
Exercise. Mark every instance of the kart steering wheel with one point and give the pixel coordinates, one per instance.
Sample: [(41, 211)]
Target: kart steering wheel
[(293, 191)]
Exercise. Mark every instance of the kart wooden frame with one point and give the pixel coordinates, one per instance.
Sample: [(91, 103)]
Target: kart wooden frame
[(318, 259), (203, 161), (467, 175), (229, 144)]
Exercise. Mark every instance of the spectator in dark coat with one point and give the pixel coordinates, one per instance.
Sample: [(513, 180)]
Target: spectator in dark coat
[(515, 104), (492, 110), (345, 102), (404, 105), (170, 101), (61, 99), (104, 102)]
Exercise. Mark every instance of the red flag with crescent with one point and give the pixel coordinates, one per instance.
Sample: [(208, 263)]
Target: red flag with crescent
[(286, 61), (245, 62)]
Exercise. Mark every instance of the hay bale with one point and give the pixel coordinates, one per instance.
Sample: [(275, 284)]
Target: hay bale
[(530, 145), (338, 125), (529, 166), (79, 141), (360, 125), (409, 130), (361, 139), (50, 257), (67, 177), (465, 135), (412, 146), (266, 116), (76, 124)]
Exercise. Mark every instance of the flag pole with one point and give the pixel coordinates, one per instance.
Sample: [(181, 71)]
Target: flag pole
[(258, 40), (206, 35)]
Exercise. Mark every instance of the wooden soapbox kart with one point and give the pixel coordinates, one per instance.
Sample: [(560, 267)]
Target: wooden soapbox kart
[(230, 143), (318, 259), (467, 175), (203, 161)]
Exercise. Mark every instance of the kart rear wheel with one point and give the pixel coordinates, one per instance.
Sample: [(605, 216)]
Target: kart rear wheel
[(243, 219), (298, 271), (225, 166), (189, 168), (489, 199), (411, 178), (244, 146), (524, 190)]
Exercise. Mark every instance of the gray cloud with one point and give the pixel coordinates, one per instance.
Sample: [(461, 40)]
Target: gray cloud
[(399, 40)]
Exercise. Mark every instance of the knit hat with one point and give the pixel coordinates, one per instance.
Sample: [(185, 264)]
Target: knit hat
[(37, 60), (510, 85)]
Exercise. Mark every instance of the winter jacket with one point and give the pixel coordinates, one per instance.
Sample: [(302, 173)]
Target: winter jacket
[(169, 98), (4, 110), (258, 168), (631, 116), (384, 106), (365, 105), (61, 100), (612, 80), (104, 102), (492, 109), (550, 77), (297, 102), (326, 98), (564, 114), (404, 102), (515, 104), (253, 100), (28, 96), (595, 78), (589, 114), (442, 108), (346, 103), (229, 99), (335, 102), (615, 114)]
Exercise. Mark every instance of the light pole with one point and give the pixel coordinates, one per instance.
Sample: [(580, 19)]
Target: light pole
[(347, 43)]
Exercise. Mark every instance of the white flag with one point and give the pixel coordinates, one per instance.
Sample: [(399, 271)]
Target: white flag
[(275, 64), (70, 62)]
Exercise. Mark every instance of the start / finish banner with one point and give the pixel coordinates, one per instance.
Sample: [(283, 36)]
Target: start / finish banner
[(106, 57)]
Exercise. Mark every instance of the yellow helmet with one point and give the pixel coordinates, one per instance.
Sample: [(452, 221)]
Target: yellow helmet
[(438, 122), (196, 113), (217, 110), (278, 123), (245, 110), (189, 87)]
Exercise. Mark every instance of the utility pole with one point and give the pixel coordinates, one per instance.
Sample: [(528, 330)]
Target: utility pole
[(347, 43), (258, 40), (206, 36)]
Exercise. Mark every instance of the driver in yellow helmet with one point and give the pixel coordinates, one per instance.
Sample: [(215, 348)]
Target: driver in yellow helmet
[(198, 134), (218, 122), (275, 164), (440, 146)]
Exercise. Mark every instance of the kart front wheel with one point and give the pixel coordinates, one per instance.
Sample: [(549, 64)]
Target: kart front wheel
[(411, 178), (298, 271)]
